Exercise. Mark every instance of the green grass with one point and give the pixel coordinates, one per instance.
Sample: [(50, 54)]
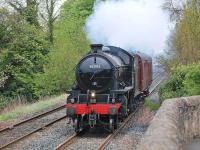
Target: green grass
[(151, 105), (25, 109)]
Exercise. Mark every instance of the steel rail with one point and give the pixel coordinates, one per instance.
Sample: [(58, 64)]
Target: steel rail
[(32, 118), (155, 76), (108, 139), (74, 137), (111, 136), (69, 141), (34, 131), (156, 85)]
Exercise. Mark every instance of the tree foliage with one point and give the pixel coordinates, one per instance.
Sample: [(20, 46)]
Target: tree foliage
[(175, 86), (38, 13), (70, 45), (182, 57), (184, 81), (187, 35), (29, 11), (24, 58), (50, 15), (23, 54), (6, 21), (174, 7), (29, 65), (183, 44)]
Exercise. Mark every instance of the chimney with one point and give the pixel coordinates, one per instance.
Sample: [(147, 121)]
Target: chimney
[(96, 47)]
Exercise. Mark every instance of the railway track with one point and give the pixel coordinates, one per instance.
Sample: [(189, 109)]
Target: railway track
[(14, 130), (21, 130), (30, 119), (156, 81), (69, 141), (74, 138), (110, 137)]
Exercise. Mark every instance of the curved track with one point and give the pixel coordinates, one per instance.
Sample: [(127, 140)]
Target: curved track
[(158, 78), (102, 143), (157, 81), (15, 133), (25, 128)]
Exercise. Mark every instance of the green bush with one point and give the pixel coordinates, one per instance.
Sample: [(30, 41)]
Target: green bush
[(183, 81), (153, 106), (25, 56), (192, 80), (175, 86)]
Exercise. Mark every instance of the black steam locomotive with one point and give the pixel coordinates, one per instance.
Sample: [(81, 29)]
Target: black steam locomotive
[(110, 81)]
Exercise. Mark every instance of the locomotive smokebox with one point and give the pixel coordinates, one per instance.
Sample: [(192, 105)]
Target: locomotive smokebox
[(96, 47), (94, 72)]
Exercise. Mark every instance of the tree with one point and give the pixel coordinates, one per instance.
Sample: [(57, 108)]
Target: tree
[(186, 41), (26, 57), (183, 54), (174, 7), (49, 15), (184, 46), (29, 11), (7, 20), (32, 10), (66, 51), (23, 53)]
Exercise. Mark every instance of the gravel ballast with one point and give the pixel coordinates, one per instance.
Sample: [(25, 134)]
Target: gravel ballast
[(131, 134), (47, 138), (28, 127)]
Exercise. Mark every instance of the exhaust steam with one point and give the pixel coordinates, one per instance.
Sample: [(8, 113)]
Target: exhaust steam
[(139, 25)]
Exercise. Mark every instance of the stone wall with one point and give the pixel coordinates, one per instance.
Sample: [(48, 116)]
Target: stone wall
[(176, 122)]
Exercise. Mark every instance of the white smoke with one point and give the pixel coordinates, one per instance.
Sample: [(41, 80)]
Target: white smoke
[(139, 25)]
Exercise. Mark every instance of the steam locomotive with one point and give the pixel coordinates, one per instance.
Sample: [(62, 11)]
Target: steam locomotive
[(110, 81)]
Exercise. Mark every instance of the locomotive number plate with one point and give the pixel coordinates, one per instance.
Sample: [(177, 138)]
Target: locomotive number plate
[(94, 66)]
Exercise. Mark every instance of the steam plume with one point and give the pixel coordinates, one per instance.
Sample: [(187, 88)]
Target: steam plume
[(139, 25)]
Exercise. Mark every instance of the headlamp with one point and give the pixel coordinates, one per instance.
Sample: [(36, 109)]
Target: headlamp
[(93, 94), (72, 101), (93, 97)]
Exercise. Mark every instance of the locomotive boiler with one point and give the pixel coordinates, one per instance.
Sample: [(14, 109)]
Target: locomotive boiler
[(110, 81)]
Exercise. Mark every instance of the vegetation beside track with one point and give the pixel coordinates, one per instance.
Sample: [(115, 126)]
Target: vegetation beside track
[(153, 106), (69, 46), (182, 58), (184, 81), (31, 66), (24, 109)]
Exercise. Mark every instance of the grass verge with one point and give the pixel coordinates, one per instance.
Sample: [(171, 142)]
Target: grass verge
[(153, 106), (25, 109)]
